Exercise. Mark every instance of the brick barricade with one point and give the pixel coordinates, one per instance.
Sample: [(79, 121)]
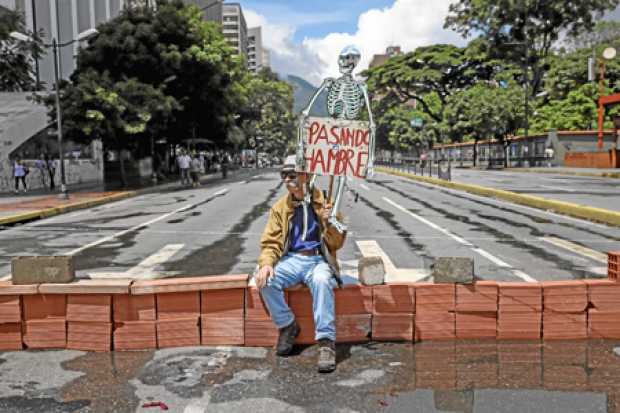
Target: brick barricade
[(148, 315)]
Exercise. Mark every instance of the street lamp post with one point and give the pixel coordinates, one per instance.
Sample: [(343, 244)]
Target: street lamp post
[(64, 194)]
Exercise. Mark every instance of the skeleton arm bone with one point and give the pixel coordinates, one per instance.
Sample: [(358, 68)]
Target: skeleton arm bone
[(373, 127)]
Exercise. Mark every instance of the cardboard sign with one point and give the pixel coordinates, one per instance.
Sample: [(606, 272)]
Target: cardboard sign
[(336, 147)]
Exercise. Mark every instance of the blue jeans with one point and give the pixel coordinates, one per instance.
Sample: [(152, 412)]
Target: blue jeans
[(316, 274)]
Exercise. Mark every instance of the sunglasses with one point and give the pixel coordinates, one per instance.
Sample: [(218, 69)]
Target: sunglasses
[(288, 174)]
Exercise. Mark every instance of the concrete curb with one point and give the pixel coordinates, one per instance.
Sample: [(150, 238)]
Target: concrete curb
[(49, 212), (574, 210), (615, 175)]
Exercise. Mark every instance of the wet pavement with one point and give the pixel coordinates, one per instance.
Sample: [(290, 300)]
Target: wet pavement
[(462, 376)]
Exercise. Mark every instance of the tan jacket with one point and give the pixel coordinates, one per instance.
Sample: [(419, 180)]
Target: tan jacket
[(274, 242)]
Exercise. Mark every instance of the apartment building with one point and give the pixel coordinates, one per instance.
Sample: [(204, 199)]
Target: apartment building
[(62, 20), (258, 55)]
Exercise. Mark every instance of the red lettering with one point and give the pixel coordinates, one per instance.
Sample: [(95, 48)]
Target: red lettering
[(314, 128), (347, 136), (361, 137), (318, 159), (349, 156), (322, 135), (334, 133), (362, 160), (332, 159)]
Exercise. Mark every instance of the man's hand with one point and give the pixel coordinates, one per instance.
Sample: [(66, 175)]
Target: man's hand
[(327, 211), (263, 275)]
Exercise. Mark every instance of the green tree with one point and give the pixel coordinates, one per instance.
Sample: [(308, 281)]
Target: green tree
[(121, 114), (485, 111), (266, 112), (517, 29), (430, 73), (172, 45), (16, 57)]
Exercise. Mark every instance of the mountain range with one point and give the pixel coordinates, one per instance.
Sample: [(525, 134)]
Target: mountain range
[(303, 92)]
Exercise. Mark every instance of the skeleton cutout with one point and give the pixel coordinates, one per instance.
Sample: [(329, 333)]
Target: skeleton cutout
[(346, 98)]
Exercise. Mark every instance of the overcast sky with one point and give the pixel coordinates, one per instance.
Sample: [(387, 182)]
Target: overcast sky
[(305, 37)]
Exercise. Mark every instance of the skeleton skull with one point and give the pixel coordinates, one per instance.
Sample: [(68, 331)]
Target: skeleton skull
[(348, 59)]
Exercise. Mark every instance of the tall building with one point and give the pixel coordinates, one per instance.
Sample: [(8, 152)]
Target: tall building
[(234, 27), (62, 20), (230, 16), (258, 56)]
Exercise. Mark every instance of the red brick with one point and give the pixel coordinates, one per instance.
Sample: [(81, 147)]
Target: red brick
[(178, 332), (520, 297), (10, 309), (431, 297), (260, 332), (476, 297), (604, 323), (254, 305), (307, 333), (353, 299), (89, 308), (89, 336), (223, 303), (135, 335), (353, 328), (526, 325), (222, 331), (393, 327), (435, 325), (565, 296), (45, 333), (178, 305), (300, 302), (45, 306), (11, 337), (564, 326), (393, 298), (133, 308), (604, 294), (476, 325)]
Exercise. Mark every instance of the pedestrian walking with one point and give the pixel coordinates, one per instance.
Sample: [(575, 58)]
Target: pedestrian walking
[(289, 257), (51, 170), (224, 162), (19, 172), (41, 166), (196, 165), (184, 162)]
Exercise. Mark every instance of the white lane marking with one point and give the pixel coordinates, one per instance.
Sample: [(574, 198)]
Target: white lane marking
[(5, 277), (576, 248), (460, 240), (371, 248), (147, 267), (139, 226), (506, 203), (242, 182), (557, 188), (364, 187)]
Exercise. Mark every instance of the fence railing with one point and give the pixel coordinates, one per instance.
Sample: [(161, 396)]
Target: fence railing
[(433, 168)]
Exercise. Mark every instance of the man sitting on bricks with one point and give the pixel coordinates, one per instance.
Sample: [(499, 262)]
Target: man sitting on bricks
[(287, 259)]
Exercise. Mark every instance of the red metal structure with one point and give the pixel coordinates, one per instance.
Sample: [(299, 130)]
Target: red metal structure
[(603, 102)]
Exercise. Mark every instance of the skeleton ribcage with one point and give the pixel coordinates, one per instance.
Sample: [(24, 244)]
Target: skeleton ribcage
[(344, 99)]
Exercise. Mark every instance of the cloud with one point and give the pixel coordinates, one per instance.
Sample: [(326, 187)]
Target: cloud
[(407, 23)]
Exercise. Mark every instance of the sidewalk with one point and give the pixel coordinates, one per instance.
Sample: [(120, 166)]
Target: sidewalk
[(602, 173), (24, 207)]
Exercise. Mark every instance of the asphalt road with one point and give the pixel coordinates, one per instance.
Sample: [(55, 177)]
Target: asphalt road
[(215, 230), (593, 191)]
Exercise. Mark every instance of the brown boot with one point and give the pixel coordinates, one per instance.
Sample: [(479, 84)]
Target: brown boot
[(327, 356), (286, 340)]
